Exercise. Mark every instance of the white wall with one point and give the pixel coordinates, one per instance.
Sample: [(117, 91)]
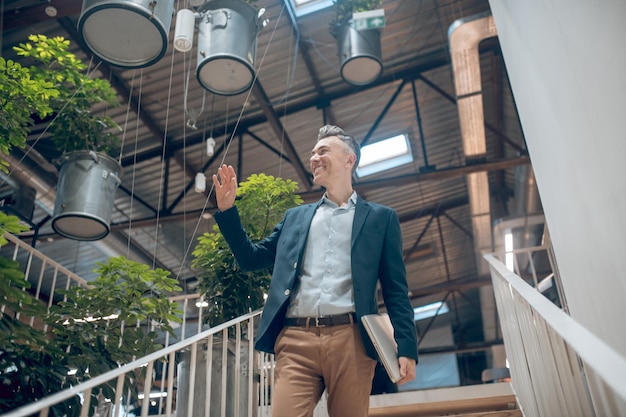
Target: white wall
[(566, 60)]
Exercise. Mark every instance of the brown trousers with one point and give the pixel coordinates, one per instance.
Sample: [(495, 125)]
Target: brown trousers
[(311, 360)]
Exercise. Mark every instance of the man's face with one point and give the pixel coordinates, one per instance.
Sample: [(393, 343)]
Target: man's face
[(330, 161)]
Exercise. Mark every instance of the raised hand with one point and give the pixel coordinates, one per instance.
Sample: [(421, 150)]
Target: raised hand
[(225, 183)]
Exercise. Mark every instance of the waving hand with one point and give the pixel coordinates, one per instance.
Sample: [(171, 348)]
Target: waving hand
[(225, 187)]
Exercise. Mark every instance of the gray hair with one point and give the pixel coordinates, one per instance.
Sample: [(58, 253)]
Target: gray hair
[(330, 130)]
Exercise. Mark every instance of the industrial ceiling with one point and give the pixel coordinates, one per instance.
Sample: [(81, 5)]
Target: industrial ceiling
[(167, 116)]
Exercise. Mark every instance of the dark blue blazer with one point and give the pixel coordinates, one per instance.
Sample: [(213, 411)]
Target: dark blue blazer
[(376, 256)]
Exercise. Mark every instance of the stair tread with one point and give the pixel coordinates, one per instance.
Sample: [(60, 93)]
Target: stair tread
[(494, 400)]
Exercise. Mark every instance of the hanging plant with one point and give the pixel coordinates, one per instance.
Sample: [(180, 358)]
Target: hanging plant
[(345, 8), (20, 97), (78, 134), (74, 93)]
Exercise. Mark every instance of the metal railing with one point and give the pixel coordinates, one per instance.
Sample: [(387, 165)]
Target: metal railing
[(200, 372), (45, 276), (558, 367), (217, 373), (537, 266)]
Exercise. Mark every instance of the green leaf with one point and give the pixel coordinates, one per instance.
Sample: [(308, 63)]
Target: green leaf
[(58, 83)]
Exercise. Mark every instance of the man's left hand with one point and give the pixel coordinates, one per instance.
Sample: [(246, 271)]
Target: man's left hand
[(407, 369)]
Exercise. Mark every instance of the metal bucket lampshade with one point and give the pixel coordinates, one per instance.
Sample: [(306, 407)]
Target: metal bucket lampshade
[(227, 42), (85, 195), (126, 33), (359, 54)]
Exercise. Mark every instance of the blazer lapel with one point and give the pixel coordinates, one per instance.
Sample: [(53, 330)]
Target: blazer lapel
[(360, 214), (307, 217)]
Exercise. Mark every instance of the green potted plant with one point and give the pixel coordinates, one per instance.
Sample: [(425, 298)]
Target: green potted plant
[(343, 10), (84, 140), (75, 127), (32, 365), (85, 333), (20, 97), (359, 50), (29, 362), (230, 292), (88, 323)]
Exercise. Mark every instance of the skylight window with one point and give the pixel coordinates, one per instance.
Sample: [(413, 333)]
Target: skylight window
[(303, 7), (430, 310), (383, 155)]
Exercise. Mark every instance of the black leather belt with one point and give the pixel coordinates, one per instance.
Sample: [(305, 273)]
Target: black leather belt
[(321, 321)]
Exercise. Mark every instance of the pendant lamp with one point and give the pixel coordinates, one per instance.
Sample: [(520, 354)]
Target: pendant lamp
[(125, 33), (227, 42)]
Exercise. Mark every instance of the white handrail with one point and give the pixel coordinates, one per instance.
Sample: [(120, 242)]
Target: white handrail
[(599, 359), (34, 252), (115, 373)]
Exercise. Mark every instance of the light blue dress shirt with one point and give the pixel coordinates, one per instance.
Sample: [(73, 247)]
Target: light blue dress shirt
[(325, 286)]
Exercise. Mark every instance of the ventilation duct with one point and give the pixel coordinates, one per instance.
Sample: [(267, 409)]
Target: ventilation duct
[(465, 36), (30, 174), (527, 204), (526, 194)]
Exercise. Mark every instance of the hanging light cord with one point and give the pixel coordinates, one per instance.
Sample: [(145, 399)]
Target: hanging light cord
[(165, 130), (133, 176), (192, 114), (212, 112), (126, 116), (286, 97), (229, 142)]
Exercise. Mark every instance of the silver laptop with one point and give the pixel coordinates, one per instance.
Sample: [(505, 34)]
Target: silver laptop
[(380, 331)]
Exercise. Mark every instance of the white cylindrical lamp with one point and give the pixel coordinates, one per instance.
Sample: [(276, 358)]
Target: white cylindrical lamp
[(183, 35), (200, 183), (210, 147)]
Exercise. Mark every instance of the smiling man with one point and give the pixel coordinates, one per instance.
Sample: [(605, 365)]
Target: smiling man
[(327, 259)]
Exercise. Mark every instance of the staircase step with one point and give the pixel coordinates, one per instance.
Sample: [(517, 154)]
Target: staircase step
[(493, 400)]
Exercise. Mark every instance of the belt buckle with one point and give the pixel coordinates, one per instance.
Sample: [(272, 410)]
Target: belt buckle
[(317, 322)]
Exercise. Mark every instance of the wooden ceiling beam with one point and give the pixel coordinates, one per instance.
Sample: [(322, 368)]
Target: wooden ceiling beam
[(444, 173), (436, 175), (425, 62)]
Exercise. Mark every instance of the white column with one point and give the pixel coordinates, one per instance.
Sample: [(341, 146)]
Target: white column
[(566, 60)]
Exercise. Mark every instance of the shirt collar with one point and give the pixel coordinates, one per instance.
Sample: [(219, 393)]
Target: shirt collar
[(351, 200)]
